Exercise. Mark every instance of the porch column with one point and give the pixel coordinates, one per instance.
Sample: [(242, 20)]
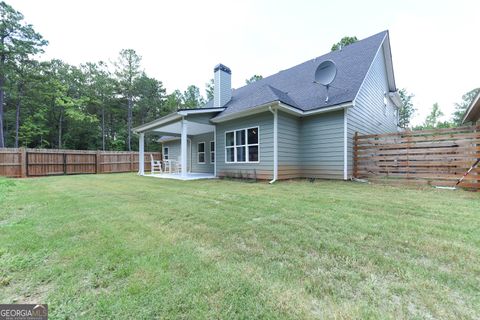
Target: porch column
[(275, 144), (141, 154), (215, 153), (184, 148)]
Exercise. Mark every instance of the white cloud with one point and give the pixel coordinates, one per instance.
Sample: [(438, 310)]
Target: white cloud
[(436, 58)]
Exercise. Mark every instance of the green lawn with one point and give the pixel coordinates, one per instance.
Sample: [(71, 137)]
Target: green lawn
[(105, 246)]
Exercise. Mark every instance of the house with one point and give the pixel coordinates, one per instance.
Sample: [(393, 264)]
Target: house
[(472, 114), (284, 126)]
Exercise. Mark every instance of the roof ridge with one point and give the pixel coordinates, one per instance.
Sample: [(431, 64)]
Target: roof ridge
[(282, 96), (313, 59)]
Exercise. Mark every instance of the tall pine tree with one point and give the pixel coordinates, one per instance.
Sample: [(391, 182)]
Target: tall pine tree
[(18, 41)]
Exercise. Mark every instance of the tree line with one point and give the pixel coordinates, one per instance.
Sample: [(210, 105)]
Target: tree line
[(52, 104), (94, 106)]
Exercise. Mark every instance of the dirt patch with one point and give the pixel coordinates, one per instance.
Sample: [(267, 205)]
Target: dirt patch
[(37, 295)]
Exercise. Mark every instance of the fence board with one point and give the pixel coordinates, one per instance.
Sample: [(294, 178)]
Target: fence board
[(23, 162), (421, 132), (437, 157)]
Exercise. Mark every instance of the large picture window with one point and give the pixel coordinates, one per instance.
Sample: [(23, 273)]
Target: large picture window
[(242, 145), (201, 152)]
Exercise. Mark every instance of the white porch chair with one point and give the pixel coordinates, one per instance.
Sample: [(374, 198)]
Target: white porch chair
[(155, 165), (178, 165), (168, 165)]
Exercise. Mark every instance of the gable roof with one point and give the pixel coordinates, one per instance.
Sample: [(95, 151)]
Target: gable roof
[(295, 86)]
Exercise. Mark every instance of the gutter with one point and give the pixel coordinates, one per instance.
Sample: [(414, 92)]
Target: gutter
[(173, 117), (284, 107), (157, 122), (185, 112), (275, 144)]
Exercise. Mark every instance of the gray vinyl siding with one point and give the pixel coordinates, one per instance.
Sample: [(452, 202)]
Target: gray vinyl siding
[(369, 115), (321, 145), (207, 167), (222, 88), (311, 147), (289, 149), (174, 150), (262, 169), (203, 118)]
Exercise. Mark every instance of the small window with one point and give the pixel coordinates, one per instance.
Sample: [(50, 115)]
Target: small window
[(212, 151), (201, 152), (165, 153), (242, 145)]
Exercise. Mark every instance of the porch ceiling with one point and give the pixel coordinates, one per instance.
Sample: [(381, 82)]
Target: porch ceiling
[(193, 128)]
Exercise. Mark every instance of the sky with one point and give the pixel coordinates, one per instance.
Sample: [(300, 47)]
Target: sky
[(435, 45)]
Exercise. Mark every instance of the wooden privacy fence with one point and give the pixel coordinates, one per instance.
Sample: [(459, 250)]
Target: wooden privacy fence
[(23, 162), (437, 157)]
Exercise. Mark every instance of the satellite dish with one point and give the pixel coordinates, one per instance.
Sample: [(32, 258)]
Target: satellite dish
[(325, 74)]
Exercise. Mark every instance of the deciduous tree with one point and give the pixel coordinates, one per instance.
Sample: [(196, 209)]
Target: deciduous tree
[(462, 106), (407, 109), (345, 41), (253, 79)]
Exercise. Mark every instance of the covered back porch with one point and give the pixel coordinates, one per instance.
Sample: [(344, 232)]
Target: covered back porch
[(188, 145)]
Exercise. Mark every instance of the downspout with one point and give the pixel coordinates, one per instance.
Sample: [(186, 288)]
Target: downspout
[(189, 163), (275, 144), (141, 154), (345, 144), (184, 148), (163, 158)]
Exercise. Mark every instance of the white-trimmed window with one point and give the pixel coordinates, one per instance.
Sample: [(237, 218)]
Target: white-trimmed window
[(212, 151), (165, 153), (201, 152), (242, 145)]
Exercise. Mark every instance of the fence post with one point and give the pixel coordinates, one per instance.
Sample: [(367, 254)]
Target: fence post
[(23, 162), (98, 168), (64, 163), (131, 161), (475, 172), (355, 155)]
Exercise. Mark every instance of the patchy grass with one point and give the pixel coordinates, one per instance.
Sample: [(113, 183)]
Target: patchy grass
[(104, 246)]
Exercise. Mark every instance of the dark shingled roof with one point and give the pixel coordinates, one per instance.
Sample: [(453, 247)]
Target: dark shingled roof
[(295, 86)]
